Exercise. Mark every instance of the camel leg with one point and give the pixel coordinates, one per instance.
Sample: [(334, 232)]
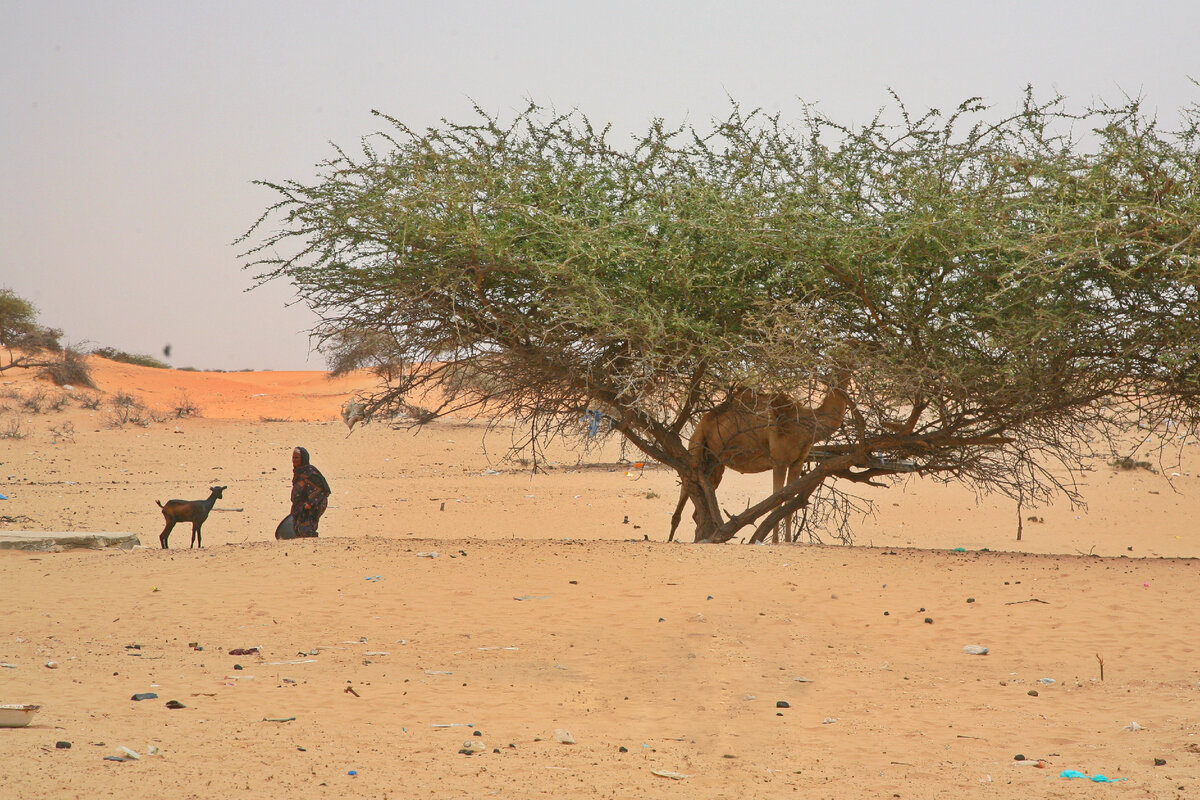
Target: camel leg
[(779, 476), (683, 496)]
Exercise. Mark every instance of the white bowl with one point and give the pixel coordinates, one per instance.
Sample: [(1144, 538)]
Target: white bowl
[(17, 716)]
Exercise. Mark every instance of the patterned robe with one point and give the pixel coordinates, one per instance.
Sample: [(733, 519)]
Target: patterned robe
[(310, 497)]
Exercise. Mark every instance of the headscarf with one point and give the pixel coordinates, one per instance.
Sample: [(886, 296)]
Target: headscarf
[(312, 472)]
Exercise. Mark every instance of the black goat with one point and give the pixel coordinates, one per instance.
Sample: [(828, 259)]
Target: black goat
[(193, 511)]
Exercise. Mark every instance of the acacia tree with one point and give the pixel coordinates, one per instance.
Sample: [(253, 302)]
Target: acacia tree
[(1006, 292)]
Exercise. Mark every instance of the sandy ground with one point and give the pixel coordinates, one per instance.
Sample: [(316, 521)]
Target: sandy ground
[(555, 604)]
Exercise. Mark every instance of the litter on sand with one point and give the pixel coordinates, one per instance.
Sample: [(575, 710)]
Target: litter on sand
[(1074, 773), (665, 773)]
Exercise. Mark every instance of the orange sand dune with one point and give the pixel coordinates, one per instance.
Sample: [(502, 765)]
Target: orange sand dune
[(554, 603)]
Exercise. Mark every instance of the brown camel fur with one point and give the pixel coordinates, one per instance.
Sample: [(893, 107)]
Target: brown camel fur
[(754, 432)]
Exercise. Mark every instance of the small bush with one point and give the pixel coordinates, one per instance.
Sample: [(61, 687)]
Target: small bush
[(112, 354), (34, 403), (89, 401), (12, 430), (65, 432), (128, 410), (70, 369), (1129, 463), (184, 407)]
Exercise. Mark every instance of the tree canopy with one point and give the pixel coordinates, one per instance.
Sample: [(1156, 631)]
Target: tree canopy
[(1009, 292)]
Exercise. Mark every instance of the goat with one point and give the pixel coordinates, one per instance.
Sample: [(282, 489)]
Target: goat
[(193, 511), (352, 412)]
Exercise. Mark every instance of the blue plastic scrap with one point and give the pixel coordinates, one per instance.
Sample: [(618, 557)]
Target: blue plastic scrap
[(1074, 773)]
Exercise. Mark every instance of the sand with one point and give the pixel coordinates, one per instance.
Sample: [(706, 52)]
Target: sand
[(555, 604)]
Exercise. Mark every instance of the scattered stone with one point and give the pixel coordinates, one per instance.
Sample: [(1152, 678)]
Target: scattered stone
[(51, 665), (929, 620), (970, 599), (1019, 757), (477, 733), (144, 696), (622, 749), (63, 745), (1032, 693), (175, 704), (237, 666), (115, 758), (563, 736), (1160, 762), (782, 704)]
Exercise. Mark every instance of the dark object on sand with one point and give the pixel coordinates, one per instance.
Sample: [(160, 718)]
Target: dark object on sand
[(286, 529), (193, 511)]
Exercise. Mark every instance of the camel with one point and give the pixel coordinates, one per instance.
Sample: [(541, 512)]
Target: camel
[(754, 432)]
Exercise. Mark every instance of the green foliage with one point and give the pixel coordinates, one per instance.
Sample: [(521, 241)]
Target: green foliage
[(18, 318), (112, 354), (1004, 290), (19, 326)]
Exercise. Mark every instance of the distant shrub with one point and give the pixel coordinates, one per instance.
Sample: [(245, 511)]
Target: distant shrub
[(112, 354), (128, 410), (184, 407), (89, 401)]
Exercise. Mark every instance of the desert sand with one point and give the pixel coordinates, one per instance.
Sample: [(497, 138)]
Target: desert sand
[(554, 605)]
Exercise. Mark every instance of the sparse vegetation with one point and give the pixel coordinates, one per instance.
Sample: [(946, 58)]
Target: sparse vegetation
[(12, 429), (113, 354), (64, 432), (70, 368), (89, 401), (128, 410), (35, 401), (184, 407), (1129, 463)]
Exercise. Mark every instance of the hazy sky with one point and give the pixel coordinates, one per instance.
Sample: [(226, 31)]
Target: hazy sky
[(130, 132)]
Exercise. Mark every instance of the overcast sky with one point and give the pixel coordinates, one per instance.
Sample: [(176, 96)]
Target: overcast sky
[(130, 132)]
